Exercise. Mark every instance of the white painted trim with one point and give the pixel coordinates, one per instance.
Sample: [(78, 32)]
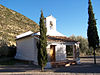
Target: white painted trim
[(24, 34)]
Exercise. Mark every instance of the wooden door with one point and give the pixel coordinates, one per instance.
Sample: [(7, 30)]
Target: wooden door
[(52, 53)]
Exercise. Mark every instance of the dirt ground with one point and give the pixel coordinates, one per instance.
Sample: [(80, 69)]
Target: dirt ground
[(85, 68)]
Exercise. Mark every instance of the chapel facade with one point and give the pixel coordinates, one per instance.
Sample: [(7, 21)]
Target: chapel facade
[(56, 44)]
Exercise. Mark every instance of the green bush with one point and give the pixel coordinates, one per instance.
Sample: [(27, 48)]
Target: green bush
[(3, 48), (12, 51), (69, 50), (84, 49), (6, 51)]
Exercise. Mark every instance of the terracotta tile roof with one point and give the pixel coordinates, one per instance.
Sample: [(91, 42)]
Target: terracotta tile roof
[(58, 39), (54, 38)]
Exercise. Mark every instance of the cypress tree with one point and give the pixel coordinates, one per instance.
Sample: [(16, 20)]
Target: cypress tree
[(42, 52), (92, 33)]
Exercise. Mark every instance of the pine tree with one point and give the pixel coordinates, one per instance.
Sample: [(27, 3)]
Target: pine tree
[(92, 33), (42, 52)]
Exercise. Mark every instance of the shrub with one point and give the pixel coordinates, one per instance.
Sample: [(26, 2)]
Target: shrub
[(84, 49), (69, 50), (12, 51), (3, 48), (7, 51)]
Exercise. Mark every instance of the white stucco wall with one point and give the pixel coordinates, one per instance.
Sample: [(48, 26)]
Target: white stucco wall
[(48, 52), (35, 51), (26, 49), (60, 52)]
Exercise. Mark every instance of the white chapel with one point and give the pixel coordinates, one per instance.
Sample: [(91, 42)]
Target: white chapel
[(56, 44)]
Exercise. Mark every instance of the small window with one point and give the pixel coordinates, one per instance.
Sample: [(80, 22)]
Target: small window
[(51, 23)]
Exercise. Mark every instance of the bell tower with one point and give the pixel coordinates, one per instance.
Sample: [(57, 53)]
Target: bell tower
[(50, 22)]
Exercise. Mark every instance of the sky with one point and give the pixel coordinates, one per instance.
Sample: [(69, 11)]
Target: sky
[(71, 15)]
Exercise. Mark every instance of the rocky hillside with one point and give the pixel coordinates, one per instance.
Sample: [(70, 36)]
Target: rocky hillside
[(13, 23)]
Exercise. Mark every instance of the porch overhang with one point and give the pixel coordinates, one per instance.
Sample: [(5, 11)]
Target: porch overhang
[(75, 46), (64, 43)]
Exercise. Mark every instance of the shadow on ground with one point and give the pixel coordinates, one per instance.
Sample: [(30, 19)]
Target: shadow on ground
[(18, 68), (81, 68)]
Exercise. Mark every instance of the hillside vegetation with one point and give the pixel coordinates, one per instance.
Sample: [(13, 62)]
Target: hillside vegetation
[(13, 23)]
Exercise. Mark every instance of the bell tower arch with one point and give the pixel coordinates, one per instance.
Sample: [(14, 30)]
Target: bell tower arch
[(50, 22)]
